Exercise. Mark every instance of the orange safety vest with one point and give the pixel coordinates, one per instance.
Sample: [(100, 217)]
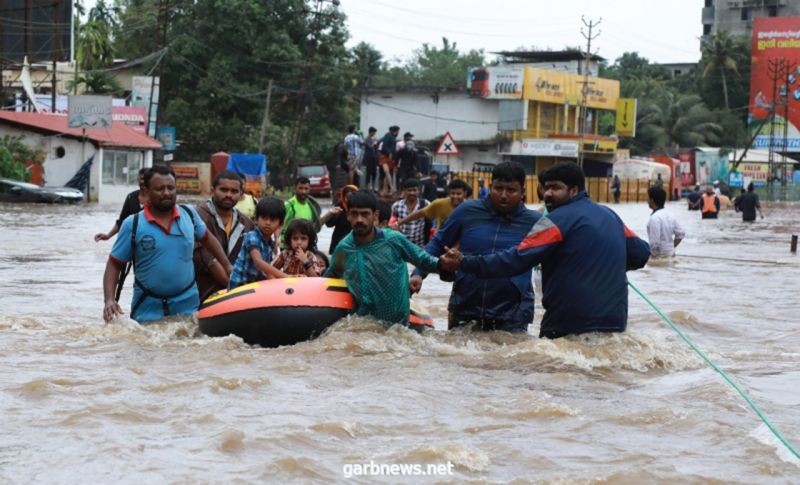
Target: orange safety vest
[(708, 203)]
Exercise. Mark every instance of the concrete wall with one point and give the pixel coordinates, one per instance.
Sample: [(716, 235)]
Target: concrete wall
[(467, 119)]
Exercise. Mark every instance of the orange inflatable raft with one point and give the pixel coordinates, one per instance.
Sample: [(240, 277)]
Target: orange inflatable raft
[(283, 311)]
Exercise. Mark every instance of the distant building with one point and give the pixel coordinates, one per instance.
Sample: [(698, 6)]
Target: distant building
[(677, 69), (736, 16), (119, 152), (566, 61)]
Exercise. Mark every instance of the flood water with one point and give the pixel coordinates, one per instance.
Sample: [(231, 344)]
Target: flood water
[(82, 401)]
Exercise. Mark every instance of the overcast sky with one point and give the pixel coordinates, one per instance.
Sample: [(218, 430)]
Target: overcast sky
[(660, 30)]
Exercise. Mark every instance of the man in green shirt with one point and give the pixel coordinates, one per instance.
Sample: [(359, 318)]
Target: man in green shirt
[(303, 206), (373, 263)]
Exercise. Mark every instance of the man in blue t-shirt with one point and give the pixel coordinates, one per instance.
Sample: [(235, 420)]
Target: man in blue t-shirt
[(160, 242)]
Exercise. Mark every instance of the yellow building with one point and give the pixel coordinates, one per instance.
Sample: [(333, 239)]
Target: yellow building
[(546, 120)]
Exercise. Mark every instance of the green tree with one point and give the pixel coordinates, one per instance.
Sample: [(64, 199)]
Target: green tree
[(432, 66), (718, 53), (14, 154), (671, 120)]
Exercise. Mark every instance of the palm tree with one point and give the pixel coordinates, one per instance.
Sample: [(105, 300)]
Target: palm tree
[(718, 51), (671, 120)]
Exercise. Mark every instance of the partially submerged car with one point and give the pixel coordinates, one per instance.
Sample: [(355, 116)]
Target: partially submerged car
[(17, 191)]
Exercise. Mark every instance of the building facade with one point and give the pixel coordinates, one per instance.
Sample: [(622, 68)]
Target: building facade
[(736, 16)]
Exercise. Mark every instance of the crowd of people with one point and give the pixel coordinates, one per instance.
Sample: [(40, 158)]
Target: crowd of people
[(488, 247)]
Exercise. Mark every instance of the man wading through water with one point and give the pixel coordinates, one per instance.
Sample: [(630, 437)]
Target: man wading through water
[(159, 241)]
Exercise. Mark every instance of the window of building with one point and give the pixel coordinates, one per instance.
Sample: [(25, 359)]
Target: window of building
[(706, 30), (745, 14), (772, 11), (121, 167), (709, 3)]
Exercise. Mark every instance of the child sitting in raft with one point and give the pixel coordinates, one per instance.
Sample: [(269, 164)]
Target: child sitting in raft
[(253, 262), (300, 259)]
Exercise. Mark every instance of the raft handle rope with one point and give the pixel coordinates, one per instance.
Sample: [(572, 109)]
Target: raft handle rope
[(721, 372)]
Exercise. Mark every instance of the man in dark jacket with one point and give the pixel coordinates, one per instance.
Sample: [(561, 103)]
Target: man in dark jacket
[(484, 226), (584, 249), (227, 225)]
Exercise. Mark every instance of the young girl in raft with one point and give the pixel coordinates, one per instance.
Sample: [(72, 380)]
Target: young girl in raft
[(300, 258)]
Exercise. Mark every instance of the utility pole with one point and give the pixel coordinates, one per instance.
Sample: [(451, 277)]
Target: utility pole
[(585, 84), (155, 81), (777, 70), (265, 121)]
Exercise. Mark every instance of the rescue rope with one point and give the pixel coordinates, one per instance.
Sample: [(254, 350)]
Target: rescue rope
[(721, 372)]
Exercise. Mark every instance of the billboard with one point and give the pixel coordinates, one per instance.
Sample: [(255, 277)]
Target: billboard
[(88, 111), (775, 39), (38, 29), (496, 82), (566, 88)]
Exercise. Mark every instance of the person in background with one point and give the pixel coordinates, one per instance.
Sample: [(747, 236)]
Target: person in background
[(616, 188), (407, 160), (748, 204), (659, 182), (483, 192), (159, 241), (225, 223), (694, 198), (355, 151), (414, 231), (338, 221), (387, 148), (134, 202), (373, 263), (585, 250), (709, 204), (430, 186), (254, 260), (663, 230), (440, 209), (484, 226), (370, 160), (300, 258), (303, 206)]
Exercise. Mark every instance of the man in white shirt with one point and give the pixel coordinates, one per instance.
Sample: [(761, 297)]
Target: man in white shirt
[(663, 230)]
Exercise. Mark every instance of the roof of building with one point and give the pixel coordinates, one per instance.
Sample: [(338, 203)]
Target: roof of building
[(546, 56), (119, 135)]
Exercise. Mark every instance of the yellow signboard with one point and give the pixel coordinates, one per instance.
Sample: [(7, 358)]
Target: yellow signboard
[(567, 88), (626, 117)]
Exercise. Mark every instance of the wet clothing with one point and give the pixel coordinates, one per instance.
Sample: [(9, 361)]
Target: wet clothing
[(163, 268), (130, 206), (229, 238), (506, 302), (748, 203), (709, 206), (662, 230), (245, 270), (377, 275), (585, 250), (290, 264)]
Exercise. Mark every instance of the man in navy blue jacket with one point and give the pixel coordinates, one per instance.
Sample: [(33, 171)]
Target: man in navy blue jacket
[(584, 249), (483, 226)]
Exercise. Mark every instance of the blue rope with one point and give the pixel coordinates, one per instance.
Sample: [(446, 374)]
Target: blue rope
[(719, 371)]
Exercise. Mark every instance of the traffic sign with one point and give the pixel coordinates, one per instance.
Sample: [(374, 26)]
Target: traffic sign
[(447, 146), (626, 117)]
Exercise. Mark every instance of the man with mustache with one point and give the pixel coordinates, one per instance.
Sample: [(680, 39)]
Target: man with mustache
[(227, 225), (584, 249), (160, 242), (495, 223), (373, 263)]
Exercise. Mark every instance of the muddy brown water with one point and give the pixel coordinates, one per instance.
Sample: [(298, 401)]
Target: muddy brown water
[(86, 402)]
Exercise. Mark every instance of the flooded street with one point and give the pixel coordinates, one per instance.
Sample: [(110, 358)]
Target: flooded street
[(87, 402)]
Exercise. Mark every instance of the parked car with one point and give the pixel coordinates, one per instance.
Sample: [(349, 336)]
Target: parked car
[(16, 191), (318, 176)]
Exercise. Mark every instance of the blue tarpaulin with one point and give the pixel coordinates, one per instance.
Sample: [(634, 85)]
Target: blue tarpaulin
[(249, 164)]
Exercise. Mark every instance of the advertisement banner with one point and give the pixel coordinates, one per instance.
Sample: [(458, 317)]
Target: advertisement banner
[(549, 148), (187, 178), (710, 167), (166, 135), (754, 172), (133, 116), (566, 87), (496, 82), (87, 111), (144, 94), (775, 39)]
